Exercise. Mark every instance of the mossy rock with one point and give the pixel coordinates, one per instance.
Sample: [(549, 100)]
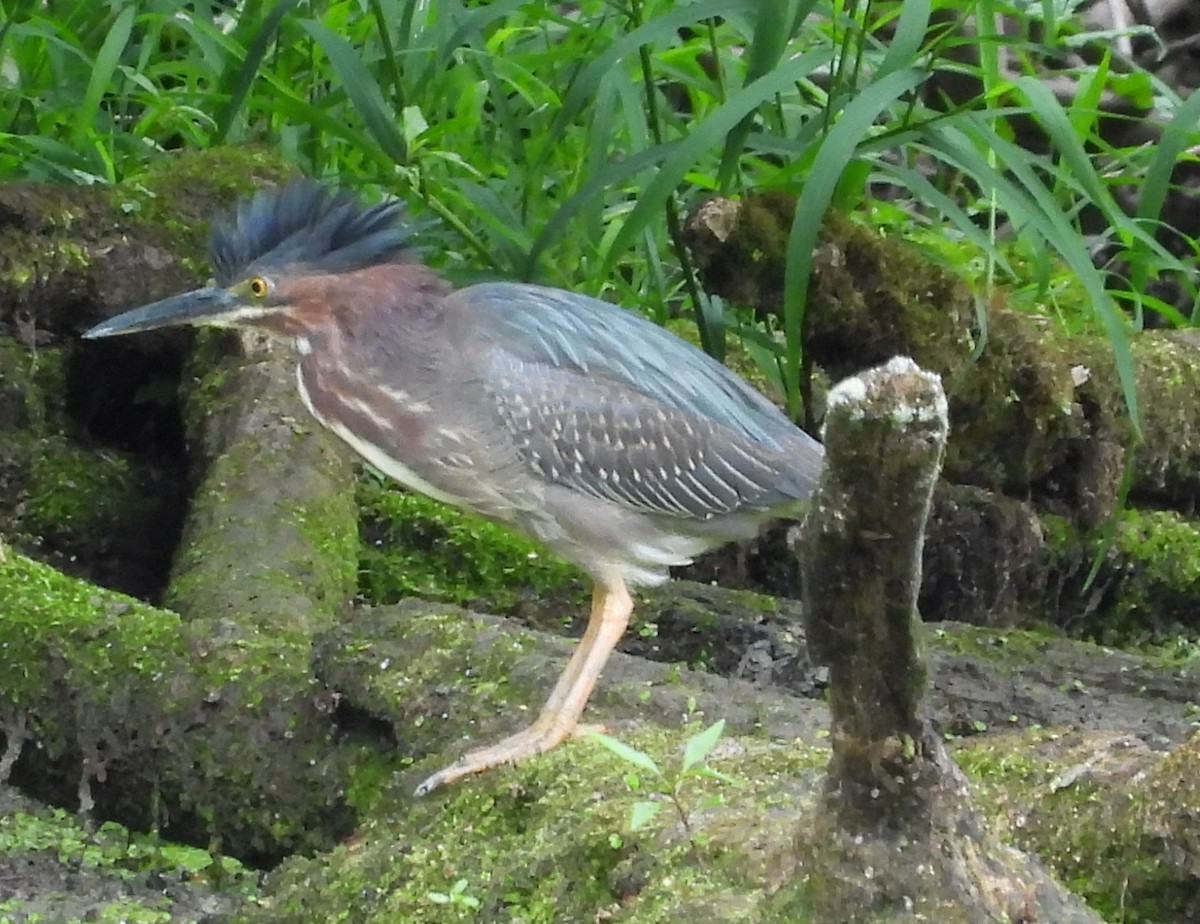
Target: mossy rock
[(412, 545)]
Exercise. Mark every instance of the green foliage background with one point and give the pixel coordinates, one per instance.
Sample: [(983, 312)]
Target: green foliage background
[(565, 141)]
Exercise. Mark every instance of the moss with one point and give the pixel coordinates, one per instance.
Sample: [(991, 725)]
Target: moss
[(376, 683), (307, 573), (1150, 569), (97, 677), (1011, 648), (1161, 579), (60, 496), (872, 297), (551, 841), (1096, 841), (329, 524), (298, 574), (1167, 464), (113, 846), (153, 876), (414, 546), (175, 199), (75, 492), (37, 379), (43, 257), (56, 629)]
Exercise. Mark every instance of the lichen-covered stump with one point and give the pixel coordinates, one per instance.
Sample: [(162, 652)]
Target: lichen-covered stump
[(861, 570), (894, 837)]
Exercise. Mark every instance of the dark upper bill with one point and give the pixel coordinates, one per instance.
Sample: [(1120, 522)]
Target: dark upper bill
[(207, 305)]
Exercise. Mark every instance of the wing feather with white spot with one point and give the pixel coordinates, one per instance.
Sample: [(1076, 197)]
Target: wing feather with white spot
[(604, 439)]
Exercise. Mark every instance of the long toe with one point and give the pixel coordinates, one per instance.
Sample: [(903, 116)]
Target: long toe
[(539, 737)]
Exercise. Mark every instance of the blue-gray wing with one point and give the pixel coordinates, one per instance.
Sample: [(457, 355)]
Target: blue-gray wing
[(608, 404), (563, 330), (603, 439)]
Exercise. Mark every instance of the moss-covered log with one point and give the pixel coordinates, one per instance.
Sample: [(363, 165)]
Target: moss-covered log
[(214, 727), (271, 536), (1037, 413), (414, 683), (551, 836), (1114, 818), (125, 710)]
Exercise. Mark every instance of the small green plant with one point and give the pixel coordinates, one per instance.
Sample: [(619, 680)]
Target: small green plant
[(457, 896), (669, 785)]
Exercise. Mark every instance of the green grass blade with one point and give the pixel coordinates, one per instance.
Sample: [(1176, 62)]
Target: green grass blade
[(1031, 207), (390, 62), (772, 31), (364, 93), (46, 160), (468, 29), (1178, 135), (236, 82), (103, 69), (945, 207), (507, 229), (706, 136), (837, 150), (1054, 120), (663, 29), (470, 32), (910, 34), (601, 181), (1085, 108)]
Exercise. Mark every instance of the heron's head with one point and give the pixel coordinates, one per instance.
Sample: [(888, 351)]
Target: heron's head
[(276, 261)]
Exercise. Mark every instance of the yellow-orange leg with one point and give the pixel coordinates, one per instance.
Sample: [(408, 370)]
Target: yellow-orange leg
[(611, 607)]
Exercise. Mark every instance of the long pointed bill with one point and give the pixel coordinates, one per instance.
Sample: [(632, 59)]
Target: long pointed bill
[(206, 305)]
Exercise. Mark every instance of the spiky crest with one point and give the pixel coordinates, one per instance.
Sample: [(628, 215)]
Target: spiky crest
[(305, 224)]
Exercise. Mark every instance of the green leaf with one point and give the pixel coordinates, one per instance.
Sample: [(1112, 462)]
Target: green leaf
[(1085, 108), (663, 29), (706, 136), (772, 30), (103, 69), (1135, 87), (710, 774), (1031, 207), (836, 151), (946, 207), (642, 814), (701, 744), (362, 89), (236, 82), (1178, 135), (626, 753), (509, 232), (908, 37), (601, 181), (414, 124), (1053, 119)]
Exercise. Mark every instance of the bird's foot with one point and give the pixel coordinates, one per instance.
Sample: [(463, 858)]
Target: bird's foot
[(538, 738)]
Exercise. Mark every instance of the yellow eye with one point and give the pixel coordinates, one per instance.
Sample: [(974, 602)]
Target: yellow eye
[(259, 287)]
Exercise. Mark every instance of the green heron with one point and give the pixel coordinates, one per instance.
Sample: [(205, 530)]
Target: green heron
[(614, 443)]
